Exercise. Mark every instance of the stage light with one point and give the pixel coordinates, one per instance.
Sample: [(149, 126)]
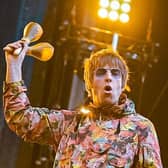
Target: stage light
[(124, 18), (104, 3), (115, 5), (127, 0), (125, 7), (111, 9), (103, 13), (113, 15)]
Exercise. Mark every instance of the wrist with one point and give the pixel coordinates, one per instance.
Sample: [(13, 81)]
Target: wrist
[(13, 65), (13, 73)]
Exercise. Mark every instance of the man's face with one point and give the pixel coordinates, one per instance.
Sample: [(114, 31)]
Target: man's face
[(106, 85)]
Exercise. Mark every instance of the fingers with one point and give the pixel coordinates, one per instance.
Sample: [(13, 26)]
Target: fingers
[(13, 46), (8, 49), (24, 50)]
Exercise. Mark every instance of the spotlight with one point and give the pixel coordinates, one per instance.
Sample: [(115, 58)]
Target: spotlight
[(115, 5), (125, 7), (124, 18), (104, 3), (113, 15), (103, 13), (115, 10), (127, 0)]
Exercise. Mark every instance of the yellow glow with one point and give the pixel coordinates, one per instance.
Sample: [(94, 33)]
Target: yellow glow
[(115, 5), (84, 110), (113, 15), (125, 7), (127, 0), (103, 13), (124, 18), (128, 89), (104, 3)]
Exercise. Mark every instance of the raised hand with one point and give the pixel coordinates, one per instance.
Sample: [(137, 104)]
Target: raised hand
[(11, 58), (14, 62)]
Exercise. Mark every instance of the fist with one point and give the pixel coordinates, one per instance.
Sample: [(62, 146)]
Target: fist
[(15, 52)]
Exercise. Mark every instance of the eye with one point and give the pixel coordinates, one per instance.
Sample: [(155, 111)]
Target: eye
[(100, 72), (116, 72)]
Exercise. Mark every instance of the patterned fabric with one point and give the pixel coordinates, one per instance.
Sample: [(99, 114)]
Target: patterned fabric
[(84, 141)]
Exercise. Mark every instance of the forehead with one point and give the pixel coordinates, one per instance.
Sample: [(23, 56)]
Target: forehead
[(113, 62)]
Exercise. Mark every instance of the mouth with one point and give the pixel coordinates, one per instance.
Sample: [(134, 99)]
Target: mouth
[(108, 89)]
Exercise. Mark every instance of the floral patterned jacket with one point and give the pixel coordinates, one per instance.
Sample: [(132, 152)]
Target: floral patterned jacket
[(129, 141)]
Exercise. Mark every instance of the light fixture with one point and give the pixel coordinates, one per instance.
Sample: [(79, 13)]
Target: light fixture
[(125, 7), (115, 10), (124, 18), (115, 5), (104, 3), (103, 13), (113, 15)]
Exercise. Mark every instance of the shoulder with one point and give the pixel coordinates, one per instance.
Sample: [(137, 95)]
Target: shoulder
[(138, 123), (141, 120), (137, 120), (143, 125)]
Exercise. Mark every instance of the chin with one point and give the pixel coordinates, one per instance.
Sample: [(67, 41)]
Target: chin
[(108, 102)]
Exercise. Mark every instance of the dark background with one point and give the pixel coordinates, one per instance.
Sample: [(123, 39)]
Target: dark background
[(67, 26)]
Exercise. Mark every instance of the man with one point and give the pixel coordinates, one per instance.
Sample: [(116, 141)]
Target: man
[(110, 135)]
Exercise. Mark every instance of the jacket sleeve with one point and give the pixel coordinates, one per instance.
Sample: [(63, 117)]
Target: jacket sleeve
[(149, 150), (33, 124)]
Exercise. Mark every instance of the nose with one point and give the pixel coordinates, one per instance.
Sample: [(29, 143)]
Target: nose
[(108, 77)]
